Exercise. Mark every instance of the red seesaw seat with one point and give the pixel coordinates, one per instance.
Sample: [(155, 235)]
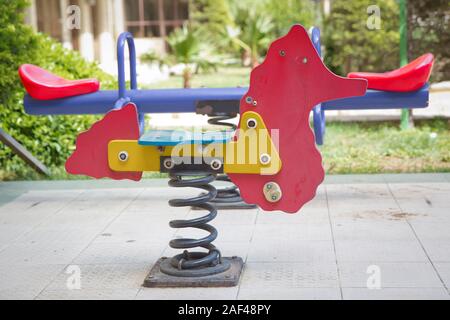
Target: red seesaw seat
[(43, 85), (411, 77)]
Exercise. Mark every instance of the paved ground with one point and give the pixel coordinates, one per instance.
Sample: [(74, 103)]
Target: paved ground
[(387, 231)]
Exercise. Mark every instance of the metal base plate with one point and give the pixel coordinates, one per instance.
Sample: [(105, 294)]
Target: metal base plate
[(229, 278)]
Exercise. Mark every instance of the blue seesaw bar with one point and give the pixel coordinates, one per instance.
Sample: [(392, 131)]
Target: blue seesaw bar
[(186, 100)]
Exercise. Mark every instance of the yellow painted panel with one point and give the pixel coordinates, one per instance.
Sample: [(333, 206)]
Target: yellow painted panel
[(246, 155)]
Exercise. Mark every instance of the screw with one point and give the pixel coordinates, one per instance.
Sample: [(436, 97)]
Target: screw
[(249, 99), (305, 60), (123, 156), (282, 53), (255, 103), (269, 186)]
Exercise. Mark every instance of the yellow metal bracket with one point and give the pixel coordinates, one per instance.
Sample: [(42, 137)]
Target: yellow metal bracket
[(253, 152)]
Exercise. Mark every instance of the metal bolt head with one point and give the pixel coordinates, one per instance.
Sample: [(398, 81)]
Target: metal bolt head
[(255, 103), (249, 99), (282, 53), (305, 60), (264, 158), (168, 163), (123, 156), (251, 123), (272, 192), (216, 164)]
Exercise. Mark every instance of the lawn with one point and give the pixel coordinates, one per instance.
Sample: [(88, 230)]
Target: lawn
[(367, 147)]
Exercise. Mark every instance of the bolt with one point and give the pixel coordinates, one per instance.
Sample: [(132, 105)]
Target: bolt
[(282, 53), (168, 163), (216, 164), (249, 99), (123, 156), (305, 60), (255, 103), (264, 158), (272, 192), (251, 123)]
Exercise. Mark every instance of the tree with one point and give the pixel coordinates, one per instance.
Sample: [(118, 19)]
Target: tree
[(186, 47), (289, 12), (49, 138), (428, 31), (210, 17), (352, 46), (254, 29)]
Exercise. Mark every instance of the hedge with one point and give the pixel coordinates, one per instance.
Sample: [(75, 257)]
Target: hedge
[(49, 138)]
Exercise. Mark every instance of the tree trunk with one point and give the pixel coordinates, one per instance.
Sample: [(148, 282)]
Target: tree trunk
[(187, 77), (245, 58), (255, 61)]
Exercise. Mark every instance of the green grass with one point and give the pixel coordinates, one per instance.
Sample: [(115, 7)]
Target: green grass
[(349, 147), (225, 77), (382, 147)]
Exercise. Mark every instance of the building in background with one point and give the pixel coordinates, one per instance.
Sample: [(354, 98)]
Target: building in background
[(101, 21)]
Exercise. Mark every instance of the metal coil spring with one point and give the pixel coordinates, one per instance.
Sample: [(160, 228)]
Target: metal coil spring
[(228, 194), (195, 263)]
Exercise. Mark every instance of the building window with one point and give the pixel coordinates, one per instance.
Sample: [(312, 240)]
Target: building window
[(155, 18)]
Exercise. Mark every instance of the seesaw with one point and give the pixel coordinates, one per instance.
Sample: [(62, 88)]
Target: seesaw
[(272, 157), (405, 87)]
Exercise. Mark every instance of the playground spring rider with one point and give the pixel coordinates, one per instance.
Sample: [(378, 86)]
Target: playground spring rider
[(274, 113)]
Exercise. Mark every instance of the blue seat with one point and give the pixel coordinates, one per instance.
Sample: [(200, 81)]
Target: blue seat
[(174, 137)]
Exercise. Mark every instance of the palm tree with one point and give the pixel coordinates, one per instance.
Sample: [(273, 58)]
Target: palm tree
[(189, 48), (254, 29)]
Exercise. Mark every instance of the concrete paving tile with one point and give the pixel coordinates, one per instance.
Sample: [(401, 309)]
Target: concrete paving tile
[(40, 253), (88, 294), (290, 294), (10, 232), (361, 202), (395, 294), (372, 230), (65, 234), (353, 178), (432, 230), (392, 274), (228, 217), (379, 251), (25, 282), (293, 275), (292, 233), (437, 250), (187, 293), (228, 249), (306, 215), (104, 277), (116, 253), (408, 178), (443, 269), (227, 233), (314, 251)]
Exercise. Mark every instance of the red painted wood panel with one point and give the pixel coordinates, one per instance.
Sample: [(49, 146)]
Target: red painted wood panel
[(286, 86), (90, 157)]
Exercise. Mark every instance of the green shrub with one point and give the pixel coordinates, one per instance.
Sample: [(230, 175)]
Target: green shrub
[(49, 138), (352, 46)]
